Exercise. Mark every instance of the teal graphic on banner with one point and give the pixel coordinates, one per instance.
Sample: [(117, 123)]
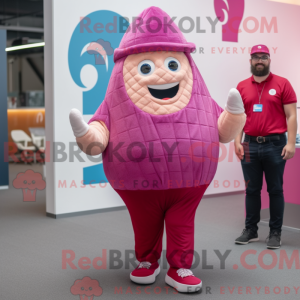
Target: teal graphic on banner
[(92, 43), (94, 174), (3, 112)]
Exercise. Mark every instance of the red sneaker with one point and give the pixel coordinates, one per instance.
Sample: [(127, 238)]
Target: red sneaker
[(145, 272), (183, 280)]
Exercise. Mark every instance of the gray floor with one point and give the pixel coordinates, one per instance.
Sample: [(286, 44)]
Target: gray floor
[(32, 244)]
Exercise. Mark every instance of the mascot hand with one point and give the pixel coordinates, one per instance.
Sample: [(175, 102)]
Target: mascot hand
[(79, 126), (234, 103)]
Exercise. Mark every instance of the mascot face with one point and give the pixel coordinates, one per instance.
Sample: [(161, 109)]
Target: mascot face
[(158, 83)]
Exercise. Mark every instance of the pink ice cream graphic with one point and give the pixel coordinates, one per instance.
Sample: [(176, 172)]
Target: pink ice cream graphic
[(86, 288), (29, 182), (230, 14)]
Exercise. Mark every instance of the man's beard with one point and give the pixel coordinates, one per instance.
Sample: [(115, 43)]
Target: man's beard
[(263, 72)]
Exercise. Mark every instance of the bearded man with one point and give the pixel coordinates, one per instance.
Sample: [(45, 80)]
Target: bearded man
[(270, 105)]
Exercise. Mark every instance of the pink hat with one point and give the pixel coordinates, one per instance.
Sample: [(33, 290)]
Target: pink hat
[(260, 49), (153, 30)]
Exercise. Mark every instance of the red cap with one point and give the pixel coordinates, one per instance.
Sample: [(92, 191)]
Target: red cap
[(260, 49)]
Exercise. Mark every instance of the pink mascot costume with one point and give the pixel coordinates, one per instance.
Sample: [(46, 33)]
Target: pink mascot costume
[(158, 130)]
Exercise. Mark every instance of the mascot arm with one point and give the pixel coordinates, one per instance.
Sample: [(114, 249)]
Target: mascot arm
[(232, 120), (92, 139)]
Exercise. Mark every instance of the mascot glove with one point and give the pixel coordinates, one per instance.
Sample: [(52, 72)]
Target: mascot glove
[(234, 103), (79, 126)]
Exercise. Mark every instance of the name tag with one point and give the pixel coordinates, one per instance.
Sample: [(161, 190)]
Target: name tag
[(257, 107)]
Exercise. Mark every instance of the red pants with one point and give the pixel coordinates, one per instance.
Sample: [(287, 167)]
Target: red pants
[(148, 211)]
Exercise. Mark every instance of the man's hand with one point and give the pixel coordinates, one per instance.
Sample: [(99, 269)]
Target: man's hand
[(288, 151), (239, 150)]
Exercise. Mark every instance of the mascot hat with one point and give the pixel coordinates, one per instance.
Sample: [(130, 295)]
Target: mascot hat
[(152, 30)]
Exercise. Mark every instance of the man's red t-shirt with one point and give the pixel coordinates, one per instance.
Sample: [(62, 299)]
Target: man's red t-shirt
[(276, 92)]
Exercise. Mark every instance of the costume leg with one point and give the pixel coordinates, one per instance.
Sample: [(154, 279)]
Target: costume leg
[(180, 215), (147, 217)]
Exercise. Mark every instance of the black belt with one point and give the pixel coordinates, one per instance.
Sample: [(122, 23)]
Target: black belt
[(262, 139)]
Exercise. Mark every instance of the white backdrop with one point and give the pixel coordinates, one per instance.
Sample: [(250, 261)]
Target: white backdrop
[(220, 67)]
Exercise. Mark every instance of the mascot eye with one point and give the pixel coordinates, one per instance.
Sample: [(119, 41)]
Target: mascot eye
[(172, 64), (146, 67)]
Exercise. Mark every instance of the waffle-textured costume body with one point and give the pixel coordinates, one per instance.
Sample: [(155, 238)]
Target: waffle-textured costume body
[(159, 131)]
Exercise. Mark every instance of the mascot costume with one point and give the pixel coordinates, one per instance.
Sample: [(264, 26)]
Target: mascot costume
[(158, 130)]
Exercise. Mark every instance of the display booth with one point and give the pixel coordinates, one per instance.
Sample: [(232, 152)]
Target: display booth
[(76, 76)]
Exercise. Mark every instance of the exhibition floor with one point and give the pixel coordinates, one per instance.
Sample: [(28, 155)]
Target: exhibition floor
[(35, 250)]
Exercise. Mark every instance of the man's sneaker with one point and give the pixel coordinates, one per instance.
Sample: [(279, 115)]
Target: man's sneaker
[(248, 235), (183, 280), (274, 239), (145, 273)]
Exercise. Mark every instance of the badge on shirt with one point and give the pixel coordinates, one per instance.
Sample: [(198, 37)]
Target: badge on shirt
[(257, 107)]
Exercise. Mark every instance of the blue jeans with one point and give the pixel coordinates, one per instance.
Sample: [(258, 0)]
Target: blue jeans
[(258, 158)]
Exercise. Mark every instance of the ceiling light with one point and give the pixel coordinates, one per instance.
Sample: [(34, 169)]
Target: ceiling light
[(25, 46)]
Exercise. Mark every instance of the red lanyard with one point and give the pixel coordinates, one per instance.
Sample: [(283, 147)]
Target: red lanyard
[(259, 96)]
